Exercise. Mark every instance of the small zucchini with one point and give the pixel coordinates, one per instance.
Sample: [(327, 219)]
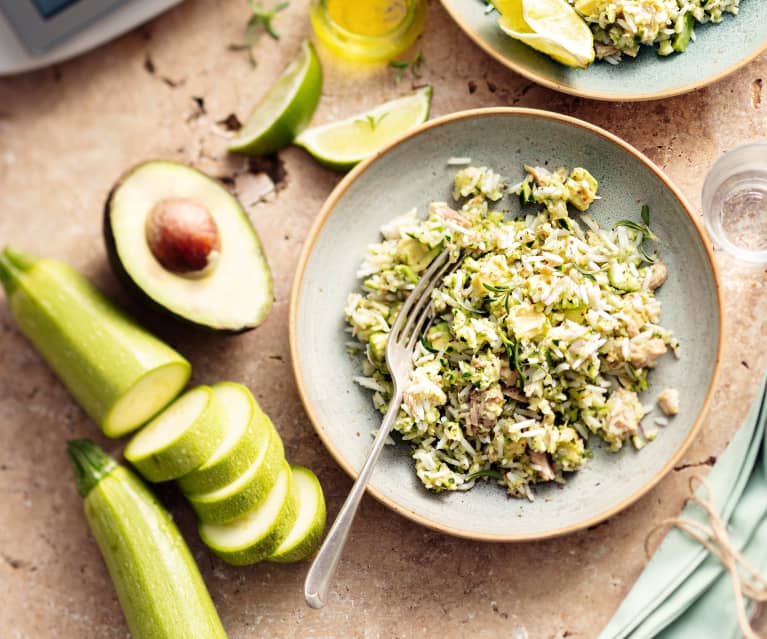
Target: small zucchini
[(120, 374), (158, 584)]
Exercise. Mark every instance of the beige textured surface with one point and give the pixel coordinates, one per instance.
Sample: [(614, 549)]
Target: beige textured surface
[(65, 135)]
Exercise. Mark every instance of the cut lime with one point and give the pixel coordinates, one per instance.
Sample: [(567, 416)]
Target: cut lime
[(285, 110), (305, 535), (341, 145), (550, 26)]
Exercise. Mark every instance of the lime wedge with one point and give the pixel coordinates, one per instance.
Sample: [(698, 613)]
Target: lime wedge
[(341, 145), (550, 26), (286, 108)]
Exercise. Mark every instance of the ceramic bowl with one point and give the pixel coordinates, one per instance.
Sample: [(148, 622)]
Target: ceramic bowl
[(413, 172), (717, 51)]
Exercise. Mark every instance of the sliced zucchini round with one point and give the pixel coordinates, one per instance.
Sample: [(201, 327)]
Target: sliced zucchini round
[(238, 497), (247, 434), (179, 439), (257, 533), (304, 537)]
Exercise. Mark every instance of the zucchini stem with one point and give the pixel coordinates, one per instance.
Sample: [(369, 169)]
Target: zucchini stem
[(90, 464), (21, 260), (12, 264), (8, 275)]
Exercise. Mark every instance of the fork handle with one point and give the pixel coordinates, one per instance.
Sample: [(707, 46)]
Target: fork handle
[(325, 563)]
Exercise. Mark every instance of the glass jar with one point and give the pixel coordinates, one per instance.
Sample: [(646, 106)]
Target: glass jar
[(368, 30), (735, 202)]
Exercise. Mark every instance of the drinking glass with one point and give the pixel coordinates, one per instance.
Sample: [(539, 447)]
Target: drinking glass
[(735, 202)]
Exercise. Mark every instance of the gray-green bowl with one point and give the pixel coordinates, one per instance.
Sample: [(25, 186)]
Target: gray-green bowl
[(412, 172), (719, 49)]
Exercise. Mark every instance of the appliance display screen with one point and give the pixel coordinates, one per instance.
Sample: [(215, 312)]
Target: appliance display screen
[(49, 8)]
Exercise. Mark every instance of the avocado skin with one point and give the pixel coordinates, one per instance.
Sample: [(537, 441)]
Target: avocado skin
[(134, 289)]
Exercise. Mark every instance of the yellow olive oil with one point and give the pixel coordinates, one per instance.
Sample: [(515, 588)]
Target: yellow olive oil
[(368, 30), (370, 18)]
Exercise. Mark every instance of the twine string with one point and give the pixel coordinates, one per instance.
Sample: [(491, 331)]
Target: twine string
[(747, 581)]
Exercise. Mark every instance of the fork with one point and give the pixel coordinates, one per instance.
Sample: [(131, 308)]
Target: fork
[(403, 337)]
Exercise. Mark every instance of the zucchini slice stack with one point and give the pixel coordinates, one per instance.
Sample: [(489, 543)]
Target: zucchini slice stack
[(229, 462)]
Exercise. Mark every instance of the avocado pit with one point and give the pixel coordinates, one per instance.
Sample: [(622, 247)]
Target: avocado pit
[(182, 244), (183, 236)]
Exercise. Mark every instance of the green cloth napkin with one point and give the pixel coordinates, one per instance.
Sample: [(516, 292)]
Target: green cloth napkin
[(684, 592)]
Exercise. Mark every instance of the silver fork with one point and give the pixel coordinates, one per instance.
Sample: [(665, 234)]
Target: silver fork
[(399, 359)]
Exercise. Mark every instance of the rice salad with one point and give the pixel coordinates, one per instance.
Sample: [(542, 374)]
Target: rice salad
[(623, 26), (541, 338)]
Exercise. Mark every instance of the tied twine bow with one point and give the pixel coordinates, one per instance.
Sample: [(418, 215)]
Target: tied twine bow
[(746, 579)]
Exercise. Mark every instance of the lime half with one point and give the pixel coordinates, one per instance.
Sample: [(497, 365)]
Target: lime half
[(285, 110), (341, 145), (550, 26)]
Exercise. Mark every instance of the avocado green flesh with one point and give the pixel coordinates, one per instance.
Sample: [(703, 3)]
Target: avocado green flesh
[(120, 374), (236, 294), (158, 584)]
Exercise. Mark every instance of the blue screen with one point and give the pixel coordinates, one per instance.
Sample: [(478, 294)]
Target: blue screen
[(49, 8)]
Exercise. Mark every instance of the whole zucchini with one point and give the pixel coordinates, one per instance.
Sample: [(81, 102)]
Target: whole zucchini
[(159, 586)]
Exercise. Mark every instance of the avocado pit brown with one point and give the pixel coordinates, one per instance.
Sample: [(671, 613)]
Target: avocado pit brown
[(183, 236), (182, 244)]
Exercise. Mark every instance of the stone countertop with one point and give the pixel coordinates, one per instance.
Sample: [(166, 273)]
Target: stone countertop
[(66, 134)]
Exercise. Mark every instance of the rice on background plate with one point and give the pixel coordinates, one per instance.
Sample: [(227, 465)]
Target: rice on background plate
[(623, 26)]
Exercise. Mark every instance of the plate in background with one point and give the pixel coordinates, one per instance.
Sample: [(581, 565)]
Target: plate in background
[(718, 50), (413, 172)]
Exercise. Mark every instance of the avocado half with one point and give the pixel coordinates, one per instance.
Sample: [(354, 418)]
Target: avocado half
[(181, 242)]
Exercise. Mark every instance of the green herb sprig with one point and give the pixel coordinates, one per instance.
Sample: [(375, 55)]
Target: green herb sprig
[(428, 346), (495, 474), (489, 6), (644, 229), (470, 309), (504, 294), (585, 273), (512, 351), (260, 21), (414, 65), (372, 121)]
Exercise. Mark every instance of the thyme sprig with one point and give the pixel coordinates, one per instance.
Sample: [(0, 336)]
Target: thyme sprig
[(489, 472), (489, 6), (372, 121), (504, 294), (512, 351), (414, 65), (261, 21), (585, 273), (427, 346), (644, 229)]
